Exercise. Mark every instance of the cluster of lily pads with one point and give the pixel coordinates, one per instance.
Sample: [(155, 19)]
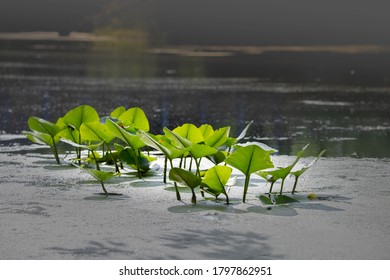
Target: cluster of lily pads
[(123, 139)]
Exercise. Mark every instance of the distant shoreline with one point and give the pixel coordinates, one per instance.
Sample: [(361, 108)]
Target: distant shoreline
[(201, 50)]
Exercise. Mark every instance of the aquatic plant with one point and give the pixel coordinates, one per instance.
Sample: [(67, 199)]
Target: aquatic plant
[(299, 172), (248, 160), (70, 124), (281, 172), (170, 152), (186, 178), (215, 179), (44, 132), (133, 140), (231, 141), (101, 176), (82, 128)]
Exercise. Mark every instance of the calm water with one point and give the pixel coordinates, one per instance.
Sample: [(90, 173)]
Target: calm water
[(337, 102)]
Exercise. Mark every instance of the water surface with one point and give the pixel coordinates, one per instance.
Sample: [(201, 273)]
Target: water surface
[(338, 102)]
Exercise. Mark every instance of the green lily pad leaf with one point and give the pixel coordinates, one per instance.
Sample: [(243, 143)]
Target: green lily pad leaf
[(133, 140), (100, 175), (201, 150), (177, 140), (206, 130), (90, 147), (190, 132), (265, 147), (282, 172), (70, 133), (95, 131), (166, 148), (39, 138), (266, 200), (184, 177), (218, 157), (300, 171), (284, 199), (218, 137), (79, 115), (232, 141), (117, 112), (250, 159), (216, 178), (130, 157), (43, 126), (134, 118)]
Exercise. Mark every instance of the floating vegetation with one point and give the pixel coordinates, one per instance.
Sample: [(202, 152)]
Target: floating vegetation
[(122, 141)]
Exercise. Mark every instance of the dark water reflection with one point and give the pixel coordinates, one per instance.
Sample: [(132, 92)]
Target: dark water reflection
[(291, 104)]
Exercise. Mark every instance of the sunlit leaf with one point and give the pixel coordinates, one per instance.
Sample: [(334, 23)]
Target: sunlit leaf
[(218, 157), (95, 131), (39, 138), (215, 180), (99, 174), (265, 147), (190, 132), (218, 137), (206, 130), (135, 160), (166, 148), (134, 118), (248, 160), (176, 139), (232, 141), (117, 112), (201, 150), (299, 172), (184, 177), (79, 115), (90, 147), (43, 126), (132, 140)]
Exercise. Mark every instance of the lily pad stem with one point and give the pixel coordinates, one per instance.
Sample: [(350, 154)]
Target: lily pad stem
[(175, 184), (247, 178), (295, 185)]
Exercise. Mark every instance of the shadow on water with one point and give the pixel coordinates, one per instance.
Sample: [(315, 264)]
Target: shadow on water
[(219, 244), (94, 249), (206, 206), (110, 197), (283, 210), (279, 210), (54, 167)]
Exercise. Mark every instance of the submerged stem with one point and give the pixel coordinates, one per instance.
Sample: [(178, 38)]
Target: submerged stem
[(137, 163), (104, 189), (175, 184), (96, 161), (281, 187), (165, 170), (55, 152), (113, 159), (295, 184), (247, 178), (193, 199), (272, 184)]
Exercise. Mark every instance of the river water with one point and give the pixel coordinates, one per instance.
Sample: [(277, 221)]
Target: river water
[(334, 101)]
